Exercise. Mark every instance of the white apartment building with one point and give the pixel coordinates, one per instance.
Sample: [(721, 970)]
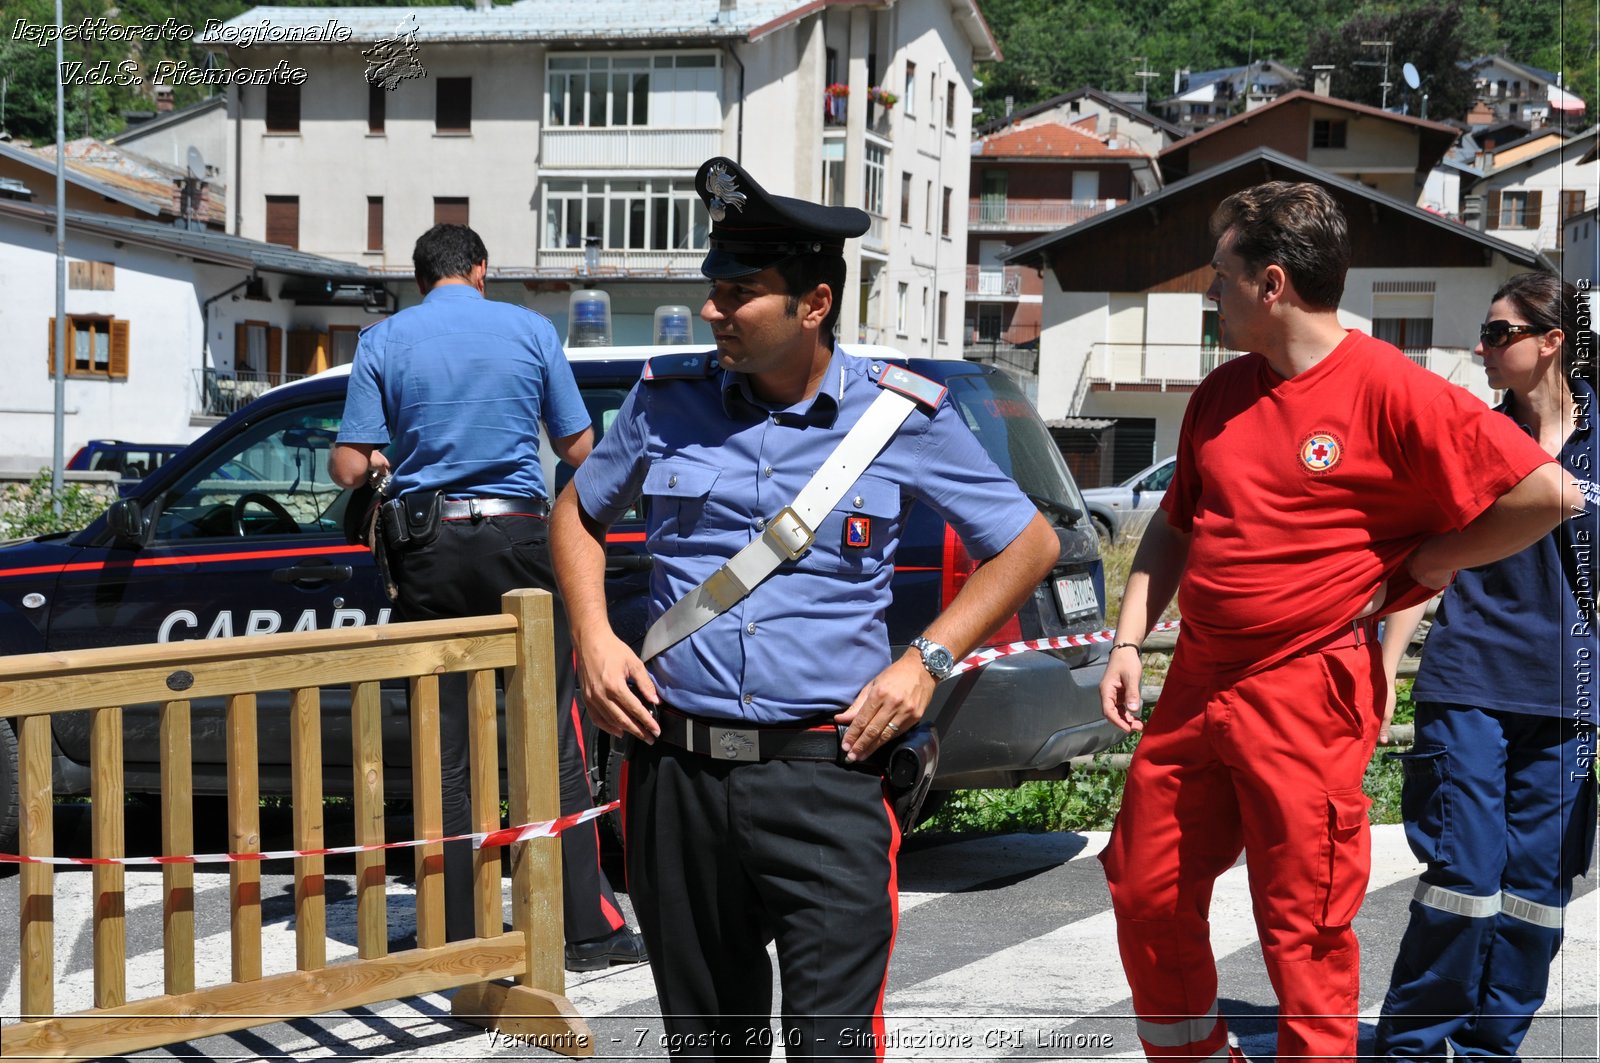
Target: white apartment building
[(568, 134)]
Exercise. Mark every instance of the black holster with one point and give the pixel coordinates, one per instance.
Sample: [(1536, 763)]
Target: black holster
[(909, 770)]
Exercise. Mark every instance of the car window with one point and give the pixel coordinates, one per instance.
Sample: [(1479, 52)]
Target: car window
[(1012, 433), (603, 401), (272, 479), (1159, 479)]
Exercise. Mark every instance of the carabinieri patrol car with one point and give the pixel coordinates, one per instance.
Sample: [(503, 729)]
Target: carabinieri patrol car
[(243, 533)]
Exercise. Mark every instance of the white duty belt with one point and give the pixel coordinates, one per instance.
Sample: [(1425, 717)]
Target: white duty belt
[(790, 534)]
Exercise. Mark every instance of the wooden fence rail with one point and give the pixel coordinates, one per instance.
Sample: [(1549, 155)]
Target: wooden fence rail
[(35, 687)]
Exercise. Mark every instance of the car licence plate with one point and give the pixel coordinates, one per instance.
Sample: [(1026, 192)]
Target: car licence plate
[(1075, 595)]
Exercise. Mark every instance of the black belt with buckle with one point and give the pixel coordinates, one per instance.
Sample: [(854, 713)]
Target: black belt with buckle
[(722, 742), (479, 508)]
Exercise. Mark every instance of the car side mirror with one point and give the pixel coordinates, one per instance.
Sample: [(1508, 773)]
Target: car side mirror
[(128, 522)]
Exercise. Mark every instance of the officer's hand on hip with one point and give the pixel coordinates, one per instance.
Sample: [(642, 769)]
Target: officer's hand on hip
[(887, 708), (617, 690)]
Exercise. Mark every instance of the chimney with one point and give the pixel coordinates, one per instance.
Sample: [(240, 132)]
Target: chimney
[(163, 98), (1322, 80), (484, 5)]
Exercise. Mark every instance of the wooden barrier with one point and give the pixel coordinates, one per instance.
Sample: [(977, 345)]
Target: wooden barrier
[(533, 1006)]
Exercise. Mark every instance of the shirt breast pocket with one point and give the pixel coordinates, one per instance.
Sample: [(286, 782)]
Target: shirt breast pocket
[(855, 536), (677, 492)]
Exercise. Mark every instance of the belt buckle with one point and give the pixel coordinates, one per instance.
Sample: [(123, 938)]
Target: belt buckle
[(787, 527), (731, 743)]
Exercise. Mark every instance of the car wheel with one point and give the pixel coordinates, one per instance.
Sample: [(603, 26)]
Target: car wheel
[(9, 810), (1104, 528)]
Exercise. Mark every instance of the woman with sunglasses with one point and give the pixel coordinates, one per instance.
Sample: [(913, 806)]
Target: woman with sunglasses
[(1499, 793)]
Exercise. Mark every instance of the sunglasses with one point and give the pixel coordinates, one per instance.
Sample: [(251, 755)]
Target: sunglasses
[(1498, 334)]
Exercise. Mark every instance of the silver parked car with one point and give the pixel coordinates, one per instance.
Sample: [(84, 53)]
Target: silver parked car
[(1122, 511)]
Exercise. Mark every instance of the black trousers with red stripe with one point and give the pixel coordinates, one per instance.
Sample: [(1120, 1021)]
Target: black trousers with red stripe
[(726, 857), (463, 573)]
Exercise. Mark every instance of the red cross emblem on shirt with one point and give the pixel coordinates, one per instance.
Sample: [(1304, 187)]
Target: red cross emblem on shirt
[(1320, 452)]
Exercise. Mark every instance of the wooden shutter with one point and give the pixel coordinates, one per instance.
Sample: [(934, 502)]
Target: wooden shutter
[(50, 345), (275, 353), (450, 210), (374, 223), (307, 349), (241, 346), (119, 350), (283, 221), (1535, 210), (1493, 213)]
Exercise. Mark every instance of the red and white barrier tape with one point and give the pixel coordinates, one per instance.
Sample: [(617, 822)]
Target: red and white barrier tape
[(1060, 642), (482, 840)]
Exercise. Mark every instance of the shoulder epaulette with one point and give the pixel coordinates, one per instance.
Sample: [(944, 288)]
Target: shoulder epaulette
[(927, 393), (680, 366)]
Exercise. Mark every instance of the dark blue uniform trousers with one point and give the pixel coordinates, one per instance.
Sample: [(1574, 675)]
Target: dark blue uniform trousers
[(463, 573), (1501, 806), (726, 857)]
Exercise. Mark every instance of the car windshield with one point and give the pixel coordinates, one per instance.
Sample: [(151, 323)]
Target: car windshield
[(1009, 428)]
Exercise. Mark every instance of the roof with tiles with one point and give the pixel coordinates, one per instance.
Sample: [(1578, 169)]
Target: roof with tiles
[(153, 183), (1051, 140)]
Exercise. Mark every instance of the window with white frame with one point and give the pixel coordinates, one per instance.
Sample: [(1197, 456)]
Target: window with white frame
[(876, 167), (833, 172), (902, 296), (911, 88), (634, 89), (656, 214)]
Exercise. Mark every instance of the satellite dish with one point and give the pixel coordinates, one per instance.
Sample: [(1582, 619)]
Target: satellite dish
[(1409, 72), (197, 163)]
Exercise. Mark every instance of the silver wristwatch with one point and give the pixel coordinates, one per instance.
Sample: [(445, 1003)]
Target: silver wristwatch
[(937, 659)]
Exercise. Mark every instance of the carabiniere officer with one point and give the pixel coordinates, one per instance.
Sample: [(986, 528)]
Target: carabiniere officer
[(749, 817)]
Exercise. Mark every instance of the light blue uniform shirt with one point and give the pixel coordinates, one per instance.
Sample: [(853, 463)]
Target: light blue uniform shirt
[(453, 390), (713, 464)]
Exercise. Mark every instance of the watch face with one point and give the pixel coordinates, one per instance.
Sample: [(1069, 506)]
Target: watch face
[(938, 659)]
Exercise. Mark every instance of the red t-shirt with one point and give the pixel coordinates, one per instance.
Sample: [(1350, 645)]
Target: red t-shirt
[(1304, 495)]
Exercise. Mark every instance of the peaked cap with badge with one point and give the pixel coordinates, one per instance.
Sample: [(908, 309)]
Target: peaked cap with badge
[(752, 229)]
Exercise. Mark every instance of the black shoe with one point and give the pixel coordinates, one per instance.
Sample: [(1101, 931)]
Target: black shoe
[(623, 946)]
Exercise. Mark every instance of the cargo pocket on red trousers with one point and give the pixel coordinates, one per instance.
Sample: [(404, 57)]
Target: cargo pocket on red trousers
[(1346, 859)]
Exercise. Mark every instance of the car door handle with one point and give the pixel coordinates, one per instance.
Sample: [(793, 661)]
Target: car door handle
[(313, 572)]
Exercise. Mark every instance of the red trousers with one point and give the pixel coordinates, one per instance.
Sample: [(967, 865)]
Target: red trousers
[(1270, 764)]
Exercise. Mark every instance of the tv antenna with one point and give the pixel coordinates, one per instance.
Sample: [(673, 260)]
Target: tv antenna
[(1385, 45), (1144, 77)]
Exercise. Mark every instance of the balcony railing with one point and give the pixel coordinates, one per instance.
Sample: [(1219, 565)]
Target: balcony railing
[(1000, 283), (836, 112), (623, 146), (615, 263), (1184, 365), (877, 234), (1034, 214), (224, 391)]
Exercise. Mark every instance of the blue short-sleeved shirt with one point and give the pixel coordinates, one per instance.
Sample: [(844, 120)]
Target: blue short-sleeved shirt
[(454, 389), (1511, 635), (713, 463)]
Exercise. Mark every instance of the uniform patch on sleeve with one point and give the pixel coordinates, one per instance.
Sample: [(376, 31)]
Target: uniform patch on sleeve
[(927, 392), (858, 532), (679, 366)]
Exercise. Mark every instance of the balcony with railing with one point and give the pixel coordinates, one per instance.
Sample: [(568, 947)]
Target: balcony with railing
[(876, 238), (986, 282), (221, 392), (615, 262), (1009, 215), (617, 147), (1181, 366), (880, 107)]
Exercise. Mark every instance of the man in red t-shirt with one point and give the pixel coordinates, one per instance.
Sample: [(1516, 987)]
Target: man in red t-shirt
[(1320, 480)]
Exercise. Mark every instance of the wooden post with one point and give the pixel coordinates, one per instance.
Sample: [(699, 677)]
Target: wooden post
[(244, 833), (305, 766), (106, 797), (36, 905), (535, 1008), (427, 814), (484, 759), (372, 898), (177, 836)]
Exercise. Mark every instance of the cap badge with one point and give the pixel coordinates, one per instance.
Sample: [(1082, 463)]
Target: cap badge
[(723, 189)]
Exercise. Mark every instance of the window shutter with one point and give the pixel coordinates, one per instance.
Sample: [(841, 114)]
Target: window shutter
[(283, 221), (119, 350), (50, 361), (1535, 209), (241, 346), (275, 351), (450, 210), (453, 105), (1493, 213), (80, 275)]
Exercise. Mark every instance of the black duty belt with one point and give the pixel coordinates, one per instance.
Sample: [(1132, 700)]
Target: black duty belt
[(723, 742), (479, 508)]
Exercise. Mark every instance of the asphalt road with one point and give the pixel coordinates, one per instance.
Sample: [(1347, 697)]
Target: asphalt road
[(1006, 951)]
